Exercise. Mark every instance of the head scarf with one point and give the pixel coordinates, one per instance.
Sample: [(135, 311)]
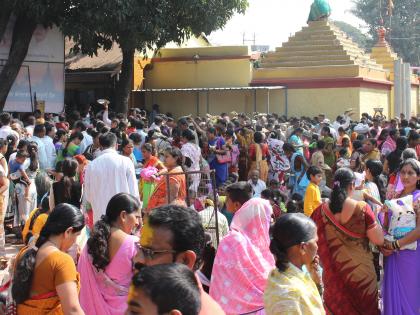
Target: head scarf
[(243, 260)]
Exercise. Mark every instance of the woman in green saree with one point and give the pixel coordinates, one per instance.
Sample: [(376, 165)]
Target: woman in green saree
[(72, 146)]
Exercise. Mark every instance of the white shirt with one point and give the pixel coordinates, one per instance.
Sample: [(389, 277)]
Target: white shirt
[(106, 176), (345, 125), (7, 130), (258, 188), (87, 141), (50, 151), (42, 153)]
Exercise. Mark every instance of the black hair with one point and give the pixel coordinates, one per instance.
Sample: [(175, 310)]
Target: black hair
[(413, 136), (73, 136), (239, 192), (148, 147), (313, 170), (375, 167), (393, 132), (188, 134), (357, 144), (107, 140), (135, 137), (138, 123), (258, 137), (63, 217), (343, 178), (267, 194), (175, 153), (327, 130), (5, 118), (401, 144), (99, 126), (342, 152), (320, 144), (69, 169), (125, 141), (44, 208), (289, 230), (170, 287), (33, 156), (289, 147), (59, 134), (22, 154), (38, 129), (97, 244), (185, 226), (49, 127), (79, 125)]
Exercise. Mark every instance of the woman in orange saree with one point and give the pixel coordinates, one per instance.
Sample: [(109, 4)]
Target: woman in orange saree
[(177, 190), (146, 186), (45, 280), (345, 227)]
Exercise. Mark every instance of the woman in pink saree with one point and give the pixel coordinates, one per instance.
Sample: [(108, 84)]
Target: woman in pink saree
[(105, 265), (244, 261)]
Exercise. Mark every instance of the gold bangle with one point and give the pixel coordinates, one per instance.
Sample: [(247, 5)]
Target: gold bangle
[(397, 244)]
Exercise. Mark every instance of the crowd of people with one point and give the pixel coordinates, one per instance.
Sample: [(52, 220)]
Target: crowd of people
[(144, 213)]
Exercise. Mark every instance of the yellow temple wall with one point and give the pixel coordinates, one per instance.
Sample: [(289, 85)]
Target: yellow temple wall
[(188, 74), (371, 98), (185, 103), (330, 101)]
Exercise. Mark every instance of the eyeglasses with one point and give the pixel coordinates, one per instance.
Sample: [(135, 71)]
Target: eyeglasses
[(150, 253)]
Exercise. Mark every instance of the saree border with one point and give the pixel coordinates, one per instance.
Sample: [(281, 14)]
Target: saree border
[(330, 216)]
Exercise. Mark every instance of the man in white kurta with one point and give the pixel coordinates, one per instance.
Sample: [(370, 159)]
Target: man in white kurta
[(108, 175)]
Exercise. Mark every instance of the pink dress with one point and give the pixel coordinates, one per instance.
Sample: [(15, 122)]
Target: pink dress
[(105, 293)]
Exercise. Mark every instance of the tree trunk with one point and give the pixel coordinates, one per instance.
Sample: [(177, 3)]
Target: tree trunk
[(125, 83), (22, 34), (4, 20)]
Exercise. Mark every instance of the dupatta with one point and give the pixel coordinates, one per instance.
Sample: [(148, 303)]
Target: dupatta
[(243, 260)]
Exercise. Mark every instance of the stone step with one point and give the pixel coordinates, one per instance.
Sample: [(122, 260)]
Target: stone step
[(288, 64), (309, 48), (287, 52), (308, 57), (312, 43)]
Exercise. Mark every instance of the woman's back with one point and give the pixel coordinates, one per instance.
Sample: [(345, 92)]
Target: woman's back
[(75, 193), (52, 269)]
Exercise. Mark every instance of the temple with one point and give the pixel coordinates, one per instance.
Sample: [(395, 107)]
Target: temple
[(325, 71)]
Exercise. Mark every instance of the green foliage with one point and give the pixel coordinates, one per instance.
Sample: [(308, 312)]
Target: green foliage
[(354, 33), (142, 24), (404, 25)]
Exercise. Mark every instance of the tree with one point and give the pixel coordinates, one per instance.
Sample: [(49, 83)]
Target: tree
[(354, 33), (403, 26), (140, 25), (26, 15)]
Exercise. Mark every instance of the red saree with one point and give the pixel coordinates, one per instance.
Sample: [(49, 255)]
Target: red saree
[(348, 272)]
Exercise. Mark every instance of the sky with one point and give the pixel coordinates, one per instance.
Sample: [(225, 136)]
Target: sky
[(273, 21)]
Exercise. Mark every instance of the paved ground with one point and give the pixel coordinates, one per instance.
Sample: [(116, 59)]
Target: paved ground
[(11, 251)]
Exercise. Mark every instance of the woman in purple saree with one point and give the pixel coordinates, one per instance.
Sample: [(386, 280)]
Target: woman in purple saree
[(401, 285), (105, 265)]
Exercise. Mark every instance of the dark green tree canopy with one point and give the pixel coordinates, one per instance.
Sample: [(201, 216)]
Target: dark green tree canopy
[(403, 26)]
